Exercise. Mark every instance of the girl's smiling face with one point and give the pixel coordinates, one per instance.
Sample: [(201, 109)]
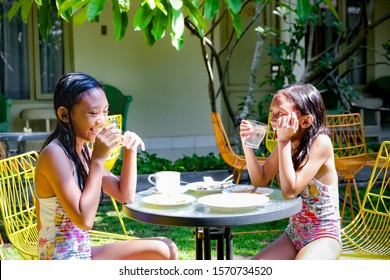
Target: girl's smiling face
[(280, 106), (90, 114)]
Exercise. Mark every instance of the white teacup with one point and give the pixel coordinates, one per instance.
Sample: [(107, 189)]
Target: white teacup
[(166, 181)]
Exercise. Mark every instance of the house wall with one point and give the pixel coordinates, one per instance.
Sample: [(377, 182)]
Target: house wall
[(170, 104)]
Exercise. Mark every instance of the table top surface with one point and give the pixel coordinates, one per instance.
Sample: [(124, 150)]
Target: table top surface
[(199, 215), (23, 136)]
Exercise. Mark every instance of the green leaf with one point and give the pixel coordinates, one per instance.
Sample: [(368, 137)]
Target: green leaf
[(160, 22), (177, 42), (176, 4), (151, 4), (161, 7), (331, 7), (62, 5), (303, 9), (177, 24), (211, 8), (236, 23), (26, 8), (65, 9), (95, 8), (81, 17), (124, 5), (121, 21), (143, 17), (79, 5), (234, 6), (149, 38), (195, 16), (14, 9), (44, 21)]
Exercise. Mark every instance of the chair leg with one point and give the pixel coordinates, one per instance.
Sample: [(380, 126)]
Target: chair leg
[(118, 213), (347, 197), (356, 192), (239, 171)]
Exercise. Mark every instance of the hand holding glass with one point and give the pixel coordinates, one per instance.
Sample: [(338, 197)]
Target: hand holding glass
[(259, 130), (114, 123)]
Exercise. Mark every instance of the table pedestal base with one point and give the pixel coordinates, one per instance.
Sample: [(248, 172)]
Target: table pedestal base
[(203, 236)]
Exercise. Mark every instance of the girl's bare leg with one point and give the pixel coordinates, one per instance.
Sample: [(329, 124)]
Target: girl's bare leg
[(321, 249), (157, 248), (280, 249)]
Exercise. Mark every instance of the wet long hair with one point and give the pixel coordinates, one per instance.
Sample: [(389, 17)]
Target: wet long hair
[(307, 100), (68, 92)]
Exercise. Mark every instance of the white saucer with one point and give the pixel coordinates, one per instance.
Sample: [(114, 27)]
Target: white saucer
[(168, 199)]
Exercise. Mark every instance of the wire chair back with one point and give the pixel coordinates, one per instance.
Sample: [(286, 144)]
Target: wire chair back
[(17, 202), (368, 234), (18, 206)]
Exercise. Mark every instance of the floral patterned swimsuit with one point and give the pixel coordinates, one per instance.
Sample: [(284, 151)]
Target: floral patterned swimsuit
[(319, 216), (59, 238)]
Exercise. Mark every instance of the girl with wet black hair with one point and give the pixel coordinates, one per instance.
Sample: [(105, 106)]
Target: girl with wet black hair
[(304, 162), (70, 177)]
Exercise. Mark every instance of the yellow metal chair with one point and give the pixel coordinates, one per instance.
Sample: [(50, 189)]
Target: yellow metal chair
[(237, 162), (350, 152), (17, 204), (368, 235)]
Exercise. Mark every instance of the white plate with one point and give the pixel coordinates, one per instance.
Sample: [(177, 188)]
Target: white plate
[(205, 187), (168, 199), (233, 201), (248, 189)]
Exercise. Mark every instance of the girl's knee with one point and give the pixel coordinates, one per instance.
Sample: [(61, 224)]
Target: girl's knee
[(173, 252), (321, 249)]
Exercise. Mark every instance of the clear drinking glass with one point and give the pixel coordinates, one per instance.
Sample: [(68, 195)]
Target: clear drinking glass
[(259, 131)]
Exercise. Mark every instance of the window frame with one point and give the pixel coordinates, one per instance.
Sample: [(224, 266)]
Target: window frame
[(34, 56)]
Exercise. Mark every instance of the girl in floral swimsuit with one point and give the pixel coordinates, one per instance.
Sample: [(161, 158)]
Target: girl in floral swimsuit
[(304, 162), (70, 178)]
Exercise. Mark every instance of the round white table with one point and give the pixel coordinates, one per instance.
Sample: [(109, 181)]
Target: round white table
[(211, 224)]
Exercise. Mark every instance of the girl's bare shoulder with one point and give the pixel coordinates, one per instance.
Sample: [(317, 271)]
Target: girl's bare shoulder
[(323, 143), (323, 139), (51, 155)]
